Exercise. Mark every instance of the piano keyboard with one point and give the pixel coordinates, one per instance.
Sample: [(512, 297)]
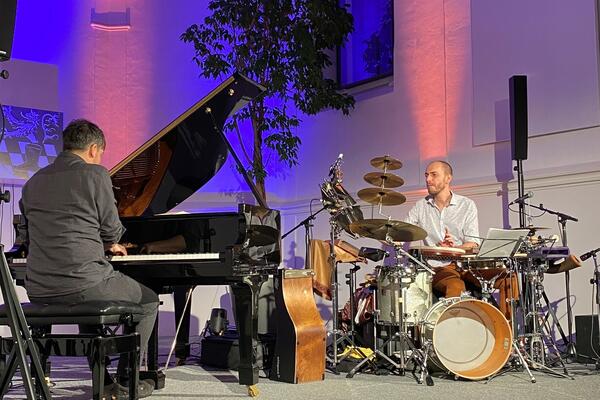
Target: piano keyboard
[(149, 257), (165, 257)]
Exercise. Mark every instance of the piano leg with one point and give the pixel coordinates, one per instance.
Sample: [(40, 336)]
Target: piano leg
[(246, 312), (182, 343)]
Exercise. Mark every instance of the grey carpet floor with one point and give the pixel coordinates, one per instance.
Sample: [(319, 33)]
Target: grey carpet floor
[(71, 379)]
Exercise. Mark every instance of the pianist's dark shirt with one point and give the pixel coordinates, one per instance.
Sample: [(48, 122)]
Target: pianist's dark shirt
[(70, 210)]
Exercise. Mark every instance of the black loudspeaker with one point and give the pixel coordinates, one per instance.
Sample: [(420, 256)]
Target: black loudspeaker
[(588, 338), (518, 116), (8, 13)]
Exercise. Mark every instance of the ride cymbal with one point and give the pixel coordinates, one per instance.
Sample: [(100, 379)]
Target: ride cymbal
[(385, 179), (386, 197), (383, 229), (386, 162)]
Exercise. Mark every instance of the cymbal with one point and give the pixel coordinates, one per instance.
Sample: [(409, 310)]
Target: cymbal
[(386, 162), (386, 197), (382, 229), (261, 235), (532, 228), (386, 179)]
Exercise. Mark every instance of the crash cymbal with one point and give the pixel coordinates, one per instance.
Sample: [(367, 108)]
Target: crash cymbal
[(383, 229), (386, 197), (385, 179), (386, 162)]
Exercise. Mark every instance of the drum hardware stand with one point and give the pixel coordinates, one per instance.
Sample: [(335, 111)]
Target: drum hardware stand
[(537, 345), (338, 336), (487, 287), (595, 281), (351, 282), (418, 356), (570, 349), (516, 348)]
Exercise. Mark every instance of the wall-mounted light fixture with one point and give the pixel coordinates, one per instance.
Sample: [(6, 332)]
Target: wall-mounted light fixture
[(112, 21)]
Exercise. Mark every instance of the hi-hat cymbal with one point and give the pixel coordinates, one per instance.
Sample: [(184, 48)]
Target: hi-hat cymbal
[(386, 162), (386, 197), (383, 229), (387, 179), (261, 235)]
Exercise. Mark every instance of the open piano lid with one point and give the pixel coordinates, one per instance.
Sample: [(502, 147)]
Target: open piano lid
[(183, 156)]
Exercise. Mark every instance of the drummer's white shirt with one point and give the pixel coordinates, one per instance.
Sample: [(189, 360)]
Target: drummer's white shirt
[(460, 217)]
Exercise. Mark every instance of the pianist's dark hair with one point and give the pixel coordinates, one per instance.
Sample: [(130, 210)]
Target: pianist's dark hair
[(81, 133)]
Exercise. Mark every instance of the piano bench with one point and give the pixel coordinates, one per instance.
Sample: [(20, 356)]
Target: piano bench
[(96, 347)]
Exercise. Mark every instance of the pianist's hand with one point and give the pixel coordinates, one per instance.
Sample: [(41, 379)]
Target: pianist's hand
[(115, 249)]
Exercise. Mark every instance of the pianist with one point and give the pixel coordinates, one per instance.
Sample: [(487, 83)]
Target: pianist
[(71, 216)]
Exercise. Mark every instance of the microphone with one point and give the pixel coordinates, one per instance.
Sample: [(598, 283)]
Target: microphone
[(372, 254), (521, 199), (589, 254), (336, 164)]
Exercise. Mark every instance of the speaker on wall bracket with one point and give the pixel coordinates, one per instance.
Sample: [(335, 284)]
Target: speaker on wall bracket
[(8, 13), (518, 116)]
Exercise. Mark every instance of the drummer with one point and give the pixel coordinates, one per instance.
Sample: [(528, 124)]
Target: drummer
[(450, 221)]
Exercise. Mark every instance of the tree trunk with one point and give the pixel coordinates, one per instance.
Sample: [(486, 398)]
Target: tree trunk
[(258, 158)]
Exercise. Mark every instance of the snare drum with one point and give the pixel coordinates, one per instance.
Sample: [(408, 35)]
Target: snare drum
[(416, 301), (468, 338)]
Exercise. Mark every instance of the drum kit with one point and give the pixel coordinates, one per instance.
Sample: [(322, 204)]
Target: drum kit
[(461, 336)]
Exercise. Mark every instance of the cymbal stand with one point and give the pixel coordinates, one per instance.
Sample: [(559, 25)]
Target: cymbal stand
[(418, 356), (517, 356), (534, 320), (338, 336)]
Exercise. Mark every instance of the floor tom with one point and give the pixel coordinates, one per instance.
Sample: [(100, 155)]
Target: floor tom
[(398, 293)]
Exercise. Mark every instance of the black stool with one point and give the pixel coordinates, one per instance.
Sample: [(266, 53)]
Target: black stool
[(108, 314)]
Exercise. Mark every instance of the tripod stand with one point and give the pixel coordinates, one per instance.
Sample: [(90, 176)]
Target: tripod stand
[(338, 336), (393, 286), (562, 220), (538, 336)]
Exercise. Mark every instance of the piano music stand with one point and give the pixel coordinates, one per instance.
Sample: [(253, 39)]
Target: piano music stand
[(24, 344)]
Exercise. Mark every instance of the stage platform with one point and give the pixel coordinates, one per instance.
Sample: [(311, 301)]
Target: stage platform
[(71, 380)]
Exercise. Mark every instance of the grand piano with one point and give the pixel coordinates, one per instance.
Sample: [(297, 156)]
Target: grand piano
[(239, 248)]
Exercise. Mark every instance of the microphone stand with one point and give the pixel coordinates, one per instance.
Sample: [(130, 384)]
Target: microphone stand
[(562, 220), (520, 191), (307, 222)]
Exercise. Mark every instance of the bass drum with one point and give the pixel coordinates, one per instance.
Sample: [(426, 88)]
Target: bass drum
[(468, 338)]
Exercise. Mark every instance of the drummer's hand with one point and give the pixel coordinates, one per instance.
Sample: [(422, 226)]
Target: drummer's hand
[(448, 241)]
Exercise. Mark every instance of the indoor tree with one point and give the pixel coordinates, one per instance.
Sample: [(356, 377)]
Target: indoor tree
[(285, 45)]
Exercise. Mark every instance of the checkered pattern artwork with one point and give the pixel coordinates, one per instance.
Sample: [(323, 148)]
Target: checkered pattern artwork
[(32, 140)]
